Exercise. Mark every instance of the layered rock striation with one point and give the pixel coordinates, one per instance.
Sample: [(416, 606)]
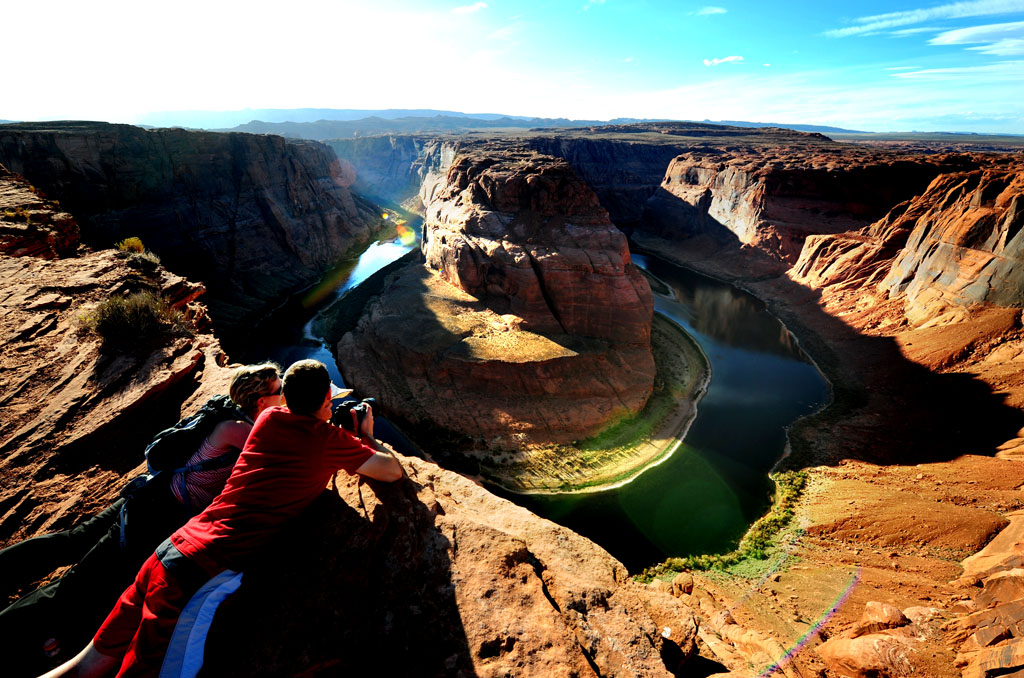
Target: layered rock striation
[(253, 217), (528, 318), (956, 245), (31, 225), (770, 199), (76, 413), (431, 575)]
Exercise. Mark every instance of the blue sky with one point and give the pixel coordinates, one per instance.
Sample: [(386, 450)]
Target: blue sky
[(869, 65)]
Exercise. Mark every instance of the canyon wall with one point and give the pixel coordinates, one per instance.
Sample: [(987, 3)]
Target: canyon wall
[(623, 164), (769, 199), (253, 217), (623, 173), (528, 322), (392, 168), (956, 245), (76, 413)]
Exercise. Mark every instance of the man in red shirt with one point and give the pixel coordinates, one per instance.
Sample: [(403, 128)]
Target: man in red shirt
[(289, 458)]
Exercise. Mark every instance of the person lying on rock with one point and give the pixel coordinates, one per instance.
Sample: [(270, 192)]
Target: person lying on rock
[(107, 550), (287, 462)]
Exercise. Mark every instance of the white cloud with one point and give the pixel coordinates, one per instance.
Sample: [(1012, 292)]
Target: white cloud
[(907, 32), (1006, 39), (711, 10), (766, 65), (723, 60), (954, 10), (591, 3), (1012, 71), (1008, 47), (903, 68), (628, 60), (469, 9)]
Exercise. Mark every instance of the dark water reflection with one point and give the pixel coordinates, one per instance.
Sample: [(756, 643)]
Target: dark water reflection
[(704, 497)]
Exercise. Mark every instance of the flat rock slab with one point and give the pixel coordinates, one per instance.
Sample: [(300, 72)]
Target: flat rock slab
[(1006, 548)]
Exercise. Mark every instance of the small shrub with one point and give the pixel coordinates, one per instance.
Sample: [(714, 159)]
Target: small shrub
[(131, 246), (145, 262), (134, 320)]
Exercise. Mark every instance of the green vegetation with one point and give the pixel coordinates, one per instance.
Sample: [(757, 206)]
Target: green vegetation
[(131, 245), (134, 320), (630, 430), (757, 543), (138, 256)]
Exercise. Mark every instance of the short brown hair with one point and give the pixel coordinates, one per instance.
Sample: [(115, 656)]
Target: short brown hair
[(306, 383), (249, 383)]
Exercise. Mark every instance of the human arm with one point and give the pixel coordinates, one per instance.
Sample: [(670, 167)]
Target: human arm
[(230, 434), (381, 466)]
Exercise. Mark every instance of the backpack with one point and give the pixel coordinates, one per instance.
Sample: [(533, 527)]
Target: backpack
[(171, 448), (169, 452)]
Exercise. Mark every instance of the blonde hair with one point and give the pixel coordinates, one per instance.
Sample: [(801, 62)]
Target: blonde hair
[(249, 383)]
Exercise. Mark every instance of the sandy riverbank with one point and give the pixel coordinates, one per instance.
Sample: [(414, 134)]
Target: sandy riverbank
[(626, 449)]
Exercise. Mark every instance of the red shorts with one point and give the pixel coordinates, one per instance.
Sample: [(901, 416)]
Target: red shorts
[(142, 621)]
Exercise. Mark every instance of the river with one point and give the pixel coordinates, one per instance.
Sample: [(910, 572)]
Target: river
[(701, 499)]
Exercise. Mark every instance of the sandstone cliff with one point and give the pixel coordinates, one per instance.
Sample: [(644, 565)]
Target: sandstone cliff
[(770, 199), (917, 460), (623, 164), (253, 217), (74, 414), (955, 246), (393, 167), (528, 319)]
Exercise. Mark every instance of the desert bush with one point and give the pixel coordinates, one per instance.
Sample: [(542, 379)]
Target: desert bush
[(131, 246), (133, 320)]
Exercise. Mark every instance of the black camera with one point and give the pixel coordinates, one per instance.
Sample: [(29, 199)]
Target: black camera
[(342, 418)]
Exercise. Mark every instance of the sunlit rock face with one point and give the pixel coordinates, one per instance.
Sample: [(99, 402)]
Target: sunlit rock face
[(956, 244), (769, 200), (526, 236), (72, 408), (528, 322), (254, 217)]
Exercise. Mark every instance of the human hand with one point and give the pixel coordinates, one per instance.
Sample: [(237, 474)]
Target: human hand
[(364, 428)]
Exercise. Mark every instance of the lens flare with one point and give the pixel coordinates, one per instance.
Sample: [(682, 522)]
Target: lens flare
[(815, 627), (406, 235)]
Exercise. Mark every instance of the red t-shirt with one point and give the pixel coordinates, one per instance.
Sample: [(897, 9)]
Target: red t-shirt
[(285, 464)]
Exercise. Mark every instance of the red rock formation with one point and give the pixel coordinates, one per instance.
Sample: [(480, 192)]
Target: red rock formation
[(30, 225), (769, 199), (254, 217), (529, 321), (525, 235), (955, 245)]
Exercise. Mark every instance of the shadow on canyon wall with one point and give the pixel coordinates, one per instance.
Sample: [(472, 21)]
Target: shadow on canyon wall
[(369, 573), (886, 408)]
